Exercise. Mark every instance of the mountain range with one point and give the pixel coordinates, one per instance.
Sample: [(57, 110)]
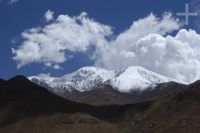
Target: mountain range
[(98, 86), (88, 78), (26, 107)]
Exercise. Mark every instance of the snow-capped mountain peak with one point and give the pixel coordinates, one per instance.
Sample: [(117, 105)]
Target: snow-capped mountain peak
[(89, 78), (84, 79), (136, 77)]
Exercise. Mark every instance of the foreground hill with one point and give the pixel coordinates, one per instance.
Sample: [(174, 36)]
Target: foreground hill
[(28, 108), (107, 95), (176, 113)]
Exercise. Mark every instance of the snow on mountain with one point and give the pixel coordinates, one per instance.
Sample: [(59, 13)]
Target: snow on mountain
[(84, 79), (43, 80), (88, 78), (135, 77)]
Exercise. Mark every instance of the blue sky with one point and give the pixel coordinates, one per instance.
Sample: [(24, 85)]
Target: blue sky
[(22, 15)]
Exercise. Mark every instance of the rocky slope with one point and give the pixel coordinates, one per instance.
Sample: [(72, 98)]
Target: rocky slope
[(27, 107)]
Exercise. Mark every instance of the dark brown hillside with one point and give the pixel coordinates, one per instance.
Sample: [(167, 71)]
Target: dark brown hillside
[(2, 82), (106, 95), (176, 113), (27, 107)]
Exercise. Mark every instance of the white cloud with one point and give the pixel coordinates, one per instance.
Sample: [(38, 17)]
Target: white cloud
[(146, 43), (13, 1), (53, 43), (124, 46), (177, 57), (54, 66), (49, 16)]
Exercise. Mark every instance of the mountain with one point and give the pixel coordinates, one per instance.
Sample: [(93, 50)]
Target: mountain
[(88, 78), (178, 112), (137, 78), (98, 86), (2, 81), (84, 79), (106, 95), (27, 107)]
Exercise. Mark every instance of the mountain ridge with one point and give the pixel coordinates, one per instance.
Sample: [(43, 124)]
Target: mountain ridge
[(27, 107), (97, 86), (88, 78)]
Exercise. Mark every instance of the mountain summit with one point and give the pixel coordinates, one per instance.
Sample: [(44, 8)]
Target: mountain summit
[(88, 79), (137, 78)]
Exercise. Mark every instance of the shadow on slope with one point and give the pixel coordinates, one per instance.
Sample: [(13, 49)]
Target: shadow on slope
[(107, 95), (175, 113), (20, 99)]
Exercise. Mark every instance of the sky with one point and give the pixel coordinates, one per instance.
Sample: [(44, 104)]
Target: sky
[(59, 37)]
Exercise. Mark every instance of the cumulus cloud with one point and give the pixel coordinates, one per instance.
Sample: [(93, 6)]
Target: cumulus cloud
[(124, 46), (49, 16), (54, 43), (147, 43), (176, 57)]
